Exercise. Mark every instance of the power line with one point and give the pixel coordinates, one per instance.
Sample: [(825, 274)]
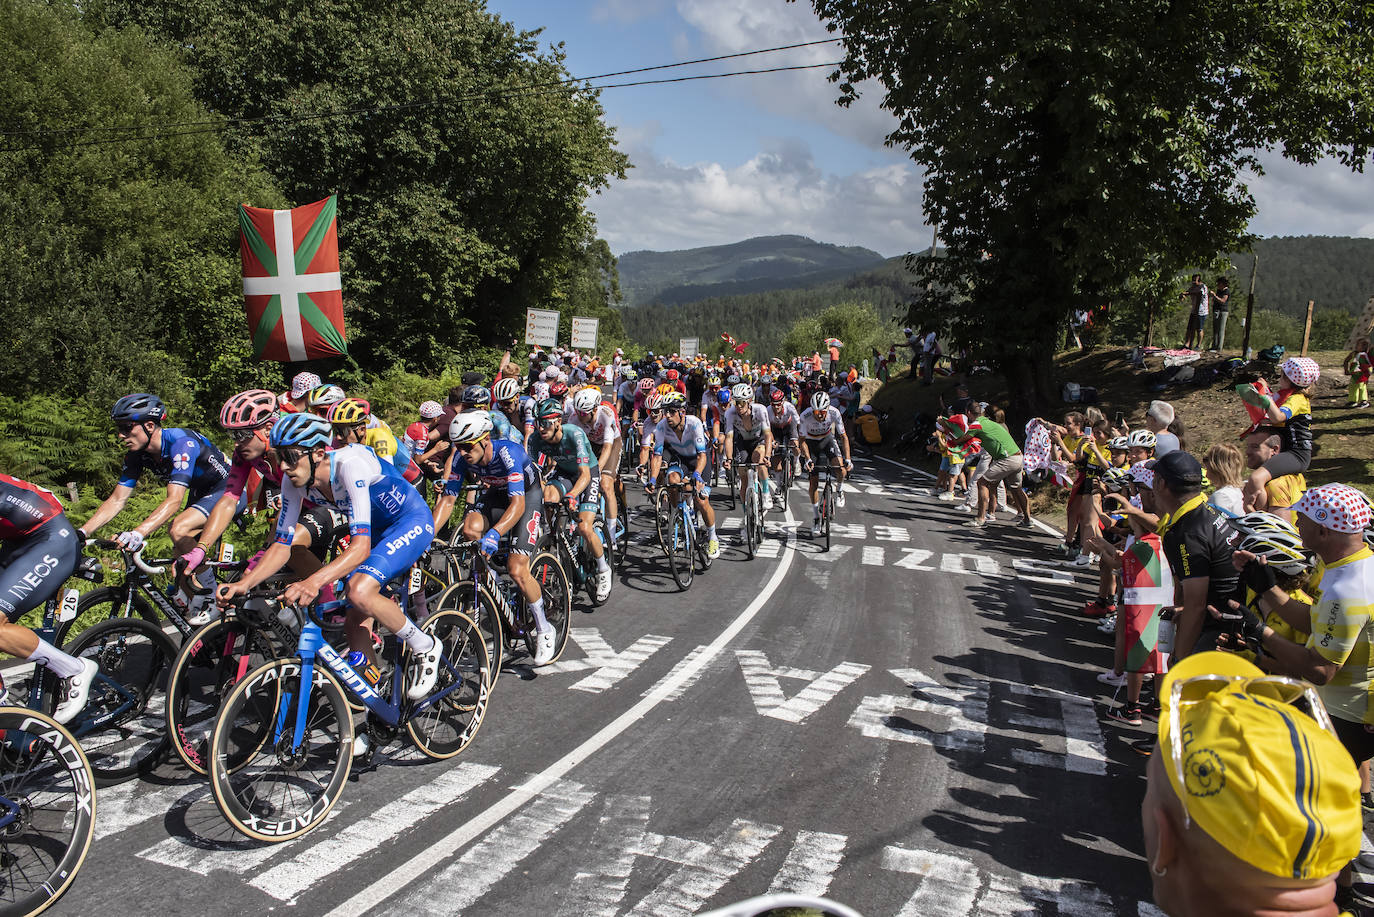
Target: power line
[(401, 106)]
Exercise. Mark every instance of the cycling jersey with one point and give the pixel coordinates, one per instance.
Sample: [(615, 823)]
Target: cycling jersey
[(831, 425), (24, 507), (603, 426), (509, 473), (753, 429), (186, 458), (786, 426), (627, 391), (1342, 632), (688, 444), (1198, 542), (569, 455), (240, 471), (1295, 431)]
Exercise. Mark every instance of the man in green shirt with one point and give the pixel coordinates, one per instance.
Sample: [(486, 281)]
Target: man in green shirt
[(1004, 465)]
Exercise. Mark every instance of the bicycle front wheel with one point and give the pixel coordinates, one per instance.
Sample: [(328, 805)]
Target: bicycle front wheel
[(123, 726), (557, 591), (680, 552), (268, 788), (751, 526), (474, 602), (446, 727), (47, 810)]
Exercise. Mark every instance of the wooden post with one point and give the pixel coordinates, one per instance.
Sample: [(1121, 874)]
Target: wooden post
[(1249, 310), (1150, 326), (1307, 328)]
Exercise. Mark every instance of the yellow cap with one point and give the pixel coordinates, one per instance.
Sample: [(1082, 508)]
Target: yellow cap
[(1261, 777)]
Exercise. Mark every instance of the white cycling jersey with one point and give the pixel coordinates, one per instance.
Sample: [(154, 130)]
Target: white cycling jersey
[(750, 428), (787, 423), (832, 425), (688, 444), (604, 425), (627, 390)]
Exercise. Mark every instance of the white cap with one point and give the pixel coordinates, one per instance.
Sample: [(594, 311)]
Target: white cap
[(303, 383)]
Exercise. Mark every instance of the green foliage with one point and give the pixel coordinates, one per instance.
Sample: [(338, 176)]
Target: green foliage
[(855, 323), (1336, 272), (51, 440)]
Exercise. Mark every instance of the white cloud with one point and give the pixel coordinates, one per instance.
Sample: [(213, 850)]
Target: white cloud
[(1326, 199), (663, 205)]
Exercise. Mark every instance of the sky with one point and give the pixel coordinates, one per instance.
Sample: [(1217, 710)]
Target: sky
[(717, 161)]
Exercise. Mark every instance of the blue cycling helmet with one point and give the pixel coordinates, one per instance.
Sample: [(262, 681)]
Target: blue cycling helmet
[(137, 408), (305, 431), (723, 396)]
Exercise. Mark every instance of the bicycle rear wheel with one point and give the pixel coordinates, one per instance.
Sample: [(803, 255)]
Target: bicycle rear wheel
[(47, 804), (751, 535), (680, 552), (123, 726), (477, 604), (266, 788), (557, 591), (446, 727)]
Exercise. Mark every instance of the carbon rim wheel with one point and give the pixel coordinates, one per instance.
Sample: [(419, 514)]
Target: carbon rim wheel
[(680, 559), (446, 727), (477, 604), (557, 590)]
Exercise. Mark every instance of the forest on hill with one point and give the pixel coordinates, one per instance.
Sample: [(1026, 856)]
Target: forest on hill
[(1337, 272)]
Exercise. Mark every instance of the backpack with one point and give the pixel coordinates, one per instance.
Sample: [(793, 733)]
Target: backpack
[(1271, 354)]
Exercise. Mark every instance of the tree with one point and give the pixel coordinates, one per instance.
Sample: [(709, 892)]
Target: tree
[(856, 324), (461, 189), (1073, 153)]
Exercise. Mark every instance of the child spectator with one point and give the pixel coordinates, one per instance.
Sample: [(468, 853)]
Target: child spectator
[(1357, 367), (1291, 413), (1225, 467)]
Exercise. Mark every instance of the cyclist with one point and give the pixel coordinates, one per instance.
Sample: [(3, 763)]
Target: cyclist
[(389, 530), (653, 414), (823, 436), (597, 419), (748, 437), (642, 393), (478, 398), (296, 400), (324, 397), (673, 378), (353, 422), (784, 422), (571, 473), (195, 471), (508, 487), (38, 552), (506, 394), (684, 439), (626, 392)]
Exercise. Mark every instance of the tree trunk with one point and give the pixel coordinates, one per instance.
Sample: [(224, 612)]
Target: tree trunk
[(1030, 379)]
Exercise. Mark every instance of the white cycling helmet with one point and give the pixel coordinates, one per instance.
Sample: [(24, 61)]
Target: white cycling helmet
[(586, 400), (469, 427), (742, 392), (820, 402), (1277, 541), (505, 389), (1118, 444), (1140, 439)]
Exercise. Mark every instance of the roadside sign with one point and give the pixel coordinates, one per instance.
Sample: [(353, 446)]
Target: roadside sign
[(584, 333), (687, 347), (541, 327)]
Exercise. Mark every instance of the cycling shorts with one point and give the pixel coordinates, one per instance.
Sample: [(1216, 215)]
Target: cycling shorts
[(744, 449), (524, 538), (32, 570), (325, 526), (401, 545), (204, 501), (589, 500), (824, 449)]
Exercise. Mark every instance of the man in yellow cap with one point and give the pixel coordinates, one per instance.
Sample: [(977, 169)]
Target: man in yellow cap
[(1252, 804)]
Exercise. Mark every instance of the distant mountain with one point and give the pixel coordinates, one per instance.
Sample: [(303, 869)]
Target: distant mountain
[(1335, 271), (752, 266)]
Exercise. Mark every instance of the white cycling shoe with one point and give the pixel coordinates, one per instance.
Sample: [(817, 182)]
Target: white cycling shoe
[(816, 529), (603, 585), (544, 644), (839, 498), (423, 671), (75, 690)]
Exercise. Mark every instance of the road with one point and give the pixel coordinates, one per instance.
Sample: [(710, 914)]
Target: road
[(904, 723)]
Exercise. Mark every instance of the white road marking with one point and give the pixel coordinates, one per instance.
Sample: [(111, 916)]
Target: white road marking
[(443, 848), (891, 533), (829, 557), (238, 856), (915, 559), (132, 802), (608, 667), (873, 555), (769, 548), (287, 880), (705, 871), (966, 709), (765, 688), (1040, 571), (853, 530), (685, 662), (948, 886), (1085, 751), (609, 859), (982, 565), (810, 865)]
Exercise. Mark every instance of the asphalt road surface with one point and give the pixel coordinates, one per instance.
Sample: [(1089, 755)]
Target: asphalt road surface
[(908, 723)]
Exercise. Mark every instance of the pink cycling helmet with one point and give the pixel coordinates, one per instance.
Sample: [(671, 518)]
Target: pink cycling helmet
[(249, 409)]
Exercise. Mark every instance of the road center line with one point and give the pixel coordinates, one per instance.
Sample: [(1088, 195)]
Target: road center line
[(441, 850)]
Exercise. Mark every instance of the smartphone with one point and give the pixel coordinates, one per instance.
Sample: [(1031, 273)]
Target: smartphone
[(1120, 420)]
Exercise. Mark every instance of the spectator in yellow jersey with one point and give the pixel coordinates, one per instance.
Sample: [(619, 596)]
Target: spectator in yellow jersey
[(1280, 494)]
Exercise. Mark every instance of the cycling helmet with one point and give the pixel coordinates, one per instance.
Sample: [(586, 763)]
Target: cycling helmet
[(1277, 542), (646, 385), (137, 408), (1114, 476), (469, 427), (713, 380), (349, 412), (723, 396), (476, 394), (674, 401), (742, 392), (324, 395), (732, 379), (671, 375), (666, 389), (430, 409), (539, 391), (628, 375), (249, 409), (1140, 439), (586, 401), (547, 408), (776, 396), (558, 389), (304, 431), (1118, 444), (505, 389), (654, 402), (820, 401)]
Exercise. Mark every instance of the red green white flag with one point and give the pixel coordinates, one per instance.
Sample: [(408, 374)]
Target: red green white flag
[(291, 285), (1148, 589)]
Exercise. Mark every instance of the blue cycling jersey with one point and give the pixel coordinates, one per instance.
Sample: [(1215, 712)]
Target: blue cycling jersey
[(501, 429), (186, 458), (510, 469), (368, 490)]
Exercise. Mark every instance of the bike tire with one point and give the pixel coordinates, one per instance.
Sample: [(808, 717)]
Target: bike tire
[(445, 728), (730, 480), (476, 603), (135, 659), (257, 782), (680, 559), (111, 596), (557, 590), (210, 663), (750, 523), (663, 518), (43, 852), (828, 510)]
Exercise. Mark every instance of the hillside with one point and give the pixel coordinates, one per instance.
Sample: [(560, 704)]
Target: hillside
[(751, 266), (1335, 271)]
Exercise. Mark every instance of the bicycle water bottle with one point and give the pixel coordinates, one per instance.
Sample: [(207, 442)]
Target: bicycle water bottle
[(371, 674)]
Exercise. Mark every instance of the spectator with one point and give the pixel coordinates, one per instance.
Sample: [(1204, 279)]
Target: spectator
[(1291, 413), (930, 355), (1225, 467), (1157, 421), (914, 343), (961, 403), (1221, 310), (1357, 366), (1197, 297), (1250, 804), (815, 363), (1004, 464)]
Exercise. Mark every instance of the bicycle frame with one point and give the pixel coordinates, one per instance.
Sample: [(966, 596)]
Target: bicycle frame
[(482, 573)]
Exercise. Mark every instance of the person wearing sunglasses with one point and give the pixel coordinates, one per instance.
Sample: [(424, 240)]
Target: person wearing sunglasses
[(506, 395), (508, 491), (823, 438), (683, 438), (571, 473), (389, 529), (196, 473), (353, 422), (598, 420), (653, 413), (1251, 804), (748, 438), (785, 423)]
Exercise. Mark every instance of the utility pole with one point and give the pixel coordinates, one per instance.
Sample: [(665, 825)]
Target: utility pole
[(1249, 309)]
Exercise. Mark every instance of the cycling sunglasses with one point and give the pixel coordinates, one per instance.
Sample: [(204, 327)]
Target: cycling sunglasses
[(124, 428), (289, 457), (549, 423), (243, 435)]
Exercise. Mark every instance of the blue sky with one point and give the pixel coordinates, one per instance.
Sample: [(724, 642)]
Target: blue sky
[(717, 161)]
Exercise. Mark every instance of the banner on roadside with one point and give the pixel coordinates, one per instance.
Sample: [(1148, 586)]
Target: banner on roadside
[(584, 332), (541, 327), (687, 347)]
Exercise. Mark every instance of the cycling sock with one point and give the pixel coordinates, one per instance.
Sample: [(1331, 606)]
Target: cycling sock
[(416, 639), (537, 609), (710, 533), (601, 565), (815, 511), (610, 530), (63, 665)]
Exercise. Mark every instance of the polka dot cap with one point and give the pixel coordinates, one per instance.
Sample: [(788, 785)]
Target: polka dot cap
[(1143, 474), (1302, 370), (1339, 507)]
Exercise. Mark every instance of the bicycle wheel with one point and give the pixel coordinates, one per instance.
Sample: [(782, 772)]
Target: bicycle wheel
[(477, 604), (100, 604), (827, 510), (663, 517), (751, 535), (730, 479), (680, 554), (123, 726), (557, 590), (47, 810), (268, 789), (446, 727), (211, 662)]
